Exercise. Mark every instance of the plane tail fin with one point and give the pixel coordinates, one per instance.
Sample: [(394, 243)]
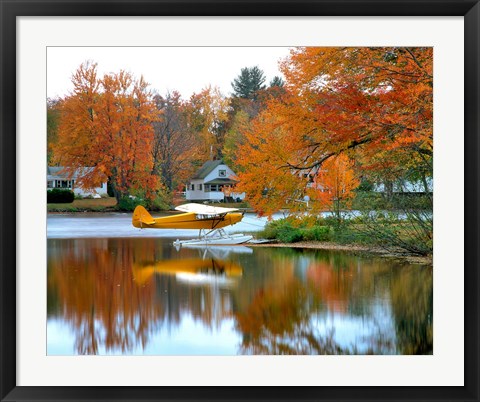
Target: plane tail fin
[(141, 217)]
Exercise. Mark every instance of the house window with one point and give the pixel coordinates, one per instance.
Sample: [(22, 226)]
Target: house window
[(213, 187), (192, 187), (222, 173), (207, 188), (63, 184), (49, 184), (200, 187)]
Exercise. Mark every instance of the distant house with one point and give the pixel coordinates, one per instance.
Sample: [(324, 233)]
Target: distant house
[(213, 182), (56, 178)]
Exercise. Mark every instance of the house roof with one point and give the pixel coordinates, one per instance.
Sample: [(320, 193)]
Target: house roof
[(58, 171), (206, 168), (221, 181), (53, 170)]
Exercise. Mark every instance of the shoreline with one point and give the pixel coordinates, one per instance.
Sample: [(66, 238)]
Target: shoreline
[(106, 210), (312, 245), (353, 248)]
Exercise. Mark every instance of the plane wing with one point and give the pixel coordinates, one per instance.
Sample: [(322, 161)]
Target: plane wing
[(204, 209)]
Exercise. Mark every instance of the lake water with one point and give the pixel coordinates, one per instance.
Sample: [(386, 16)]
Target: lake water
[(117, 290)]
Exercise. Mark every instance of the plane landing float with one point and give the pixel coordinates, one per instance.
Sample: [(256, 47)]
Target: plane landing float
[(209, 220)]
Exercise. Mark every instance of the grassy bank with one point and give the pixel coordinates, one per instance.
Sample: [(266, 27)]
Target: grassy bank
[(110, 205), (85, 205), (356, 249), (409, 235)]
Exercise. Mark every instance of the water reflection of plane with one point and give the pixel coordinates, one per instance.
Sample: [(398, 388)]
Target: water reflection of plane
[(194, 268), (219, 252)]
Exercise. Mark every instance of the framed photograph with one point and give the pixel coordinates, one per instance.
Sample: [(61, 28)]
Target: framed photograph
[(240, 200)]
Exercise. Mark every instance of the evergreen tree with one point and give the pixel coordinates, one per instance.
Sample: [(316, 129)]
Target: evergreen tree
[(277, 82), (249, 81)]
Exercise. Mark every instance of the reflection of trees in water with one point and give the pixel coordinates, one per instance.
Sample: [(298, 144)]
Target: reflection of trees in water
[(287, 323), (98, 296), (205, 303), (93, 285), (412, 301), (280, 323), (278, 319)]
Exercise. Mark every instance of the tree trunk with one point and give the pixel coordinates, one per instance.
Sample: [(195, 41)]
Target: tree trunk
[(118, 195), (426, 189), (388, 189)]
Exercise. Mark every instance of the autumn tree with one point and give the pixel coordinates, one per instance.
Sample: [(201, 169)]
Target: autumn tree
[(106, 124), (174, 146), (376, 100), (235, 137), (261, 163), (334, 184), (374, 104), (242, 112), (207, 117), (53, 118)]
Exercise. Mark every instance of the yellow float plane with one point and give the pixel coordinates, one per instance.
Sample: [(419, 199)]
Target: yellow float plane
[(209, 220)]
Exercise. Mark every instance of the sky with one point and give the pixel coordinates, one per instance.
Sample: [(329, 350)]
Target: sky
[(185, 69)]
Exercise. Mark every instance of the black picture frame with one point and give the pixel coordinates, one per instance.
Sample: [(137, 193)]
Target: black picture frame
[(9, 10)]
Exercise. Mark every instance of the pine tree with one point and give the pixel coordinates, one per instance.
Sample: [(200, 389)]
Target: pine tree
[(277, 82), (249, 81)]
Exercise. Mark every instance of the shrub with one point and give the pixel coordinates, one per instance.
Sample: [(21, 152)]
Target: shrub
[(129, 204), (271, 229), (307, 221), (289, 234), (60, 196), (347, 235), (160, 203), (293, 229), (318, 233), (409, 231), (331, 220)]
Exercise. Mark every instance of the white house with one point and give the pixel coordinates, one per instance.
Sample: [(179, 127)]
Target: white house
[(213, 182), (56, 178)]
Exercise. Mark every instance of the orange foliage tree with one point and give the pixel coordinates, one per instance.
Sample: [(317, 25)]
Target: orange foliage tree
[(334, 184), (208, 113), (106, 123), (380, 98), (261, 160), (374, 104), (53, 116), (241, 114)]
